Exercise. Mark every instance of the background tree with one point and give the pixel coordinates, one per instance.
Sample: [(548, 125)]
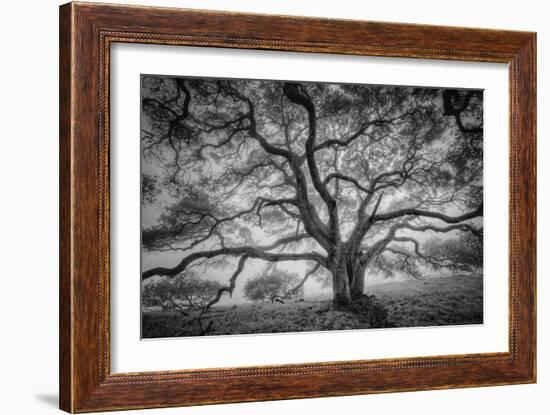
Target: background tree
[(274, 286), (186, 294), (341, 177)]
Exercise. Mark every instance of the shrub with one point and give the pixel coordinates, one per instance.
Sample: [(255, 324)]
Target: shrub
[(271, 286)]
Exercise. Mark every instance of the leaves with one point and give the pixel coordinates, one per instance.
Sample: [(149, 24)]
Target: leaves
[(269, 286), (184, 293), (150, 189)]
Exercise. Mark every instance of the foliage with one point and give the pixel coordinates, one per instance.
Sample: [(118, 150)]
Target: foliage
[(187, 294), (271, 286), (149, 189), (460, 253), (463, 253)]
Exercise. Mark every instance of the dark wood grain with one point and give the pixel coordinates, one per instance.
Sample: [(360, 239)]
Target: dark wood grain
[(65, 247), (86, 33)]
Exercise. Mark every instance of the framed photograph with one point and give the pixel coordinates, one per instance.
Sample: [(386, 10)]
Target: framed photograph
[(258, 207)]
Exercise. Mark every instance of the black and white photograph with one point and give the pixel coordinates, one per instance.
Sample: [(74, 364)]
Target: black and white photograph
[(271, 206)]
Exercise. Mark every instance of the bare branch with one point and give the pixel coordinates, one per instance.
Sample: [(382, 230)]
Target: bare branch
[(231, 286)]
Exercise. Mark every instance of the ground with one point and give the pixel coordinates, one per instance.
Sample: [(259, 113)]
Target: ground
[(430, 302)]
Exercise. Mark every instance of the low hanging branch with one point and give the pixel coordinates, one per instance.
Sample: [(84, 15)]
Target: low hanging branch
[(291, 292), (231, 286), (250, 252)]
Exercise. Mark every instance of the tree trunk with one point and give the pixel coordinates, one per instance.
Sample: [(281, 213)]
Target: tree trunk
[(340, 286), (348, 281), (358, 281)]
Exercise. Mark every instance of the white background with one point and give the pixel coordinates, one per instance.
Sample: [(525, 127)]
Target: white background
[(129, 354), (28, 352)]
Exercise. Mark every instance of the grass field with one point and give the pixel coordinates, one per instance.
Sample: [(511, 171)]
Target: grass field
[(431, 302)]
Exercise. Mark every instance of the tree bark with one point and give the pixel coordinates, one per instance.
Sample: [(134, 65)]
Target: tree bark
[(341, 284), (348, 281), (358, 280)]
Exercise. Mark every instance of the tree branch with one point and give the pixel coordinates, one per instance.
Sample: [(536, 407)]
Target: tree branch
[(251, 252), (297, 95), (340, 176), (231, 286), (417, 212), (308, 274), (312, 222)]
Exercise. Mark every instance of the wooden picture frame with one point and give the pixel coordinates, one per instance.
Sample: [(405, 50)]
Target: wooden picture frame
[(86, 33)]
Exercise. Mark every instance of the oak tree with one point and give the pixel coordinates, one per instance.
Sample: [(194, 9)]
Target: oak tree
[(341, 177)]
